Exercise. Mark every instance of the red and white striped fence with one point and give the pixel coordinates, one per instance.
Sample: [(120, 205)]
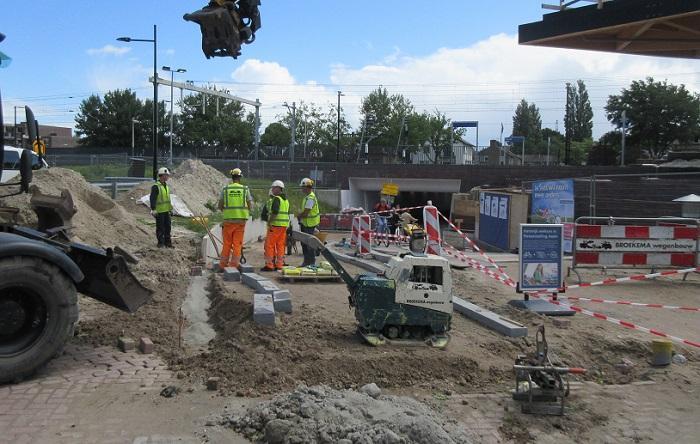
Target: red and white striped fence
[(431, 223), (364, 244), (631, 245)]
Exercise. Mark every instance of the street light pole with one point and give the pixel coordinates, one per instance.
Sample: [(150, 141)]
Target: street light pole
[(337, 146), (172, 79), (154, 40), (293, 110), (133, 138)]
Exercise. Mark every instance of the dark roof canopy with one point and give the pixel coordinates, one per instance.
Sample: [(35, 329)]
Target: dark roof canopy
[(666, 28)]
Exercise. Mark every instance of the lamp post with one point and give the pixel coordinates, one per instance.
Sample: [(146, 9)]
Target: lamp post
[(172, 79), (293, 112), (133, 138), (154, 40), (337, 146)]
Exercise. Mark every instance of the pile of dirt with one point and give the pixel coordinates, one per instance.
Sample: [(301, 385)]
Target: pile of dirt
[(99, 221), (197, 184), (321, 414)]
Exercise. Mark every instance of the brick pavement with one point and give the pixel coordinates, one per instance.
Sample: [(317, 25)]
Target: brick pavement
[(41, 409)]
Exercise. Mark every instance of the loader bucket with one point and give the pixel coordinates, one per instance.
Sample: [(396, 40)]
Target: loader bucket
[(108, 278)]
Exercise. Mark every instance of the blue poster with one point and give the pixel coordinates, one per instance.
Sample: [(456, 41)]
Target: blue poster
[(541, 256), (553, 203), (493, 220)]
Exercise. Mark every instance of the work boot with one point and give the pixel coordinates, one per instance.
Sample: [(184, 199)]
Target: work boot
[(266, 268), (161, 245), (169, 245)]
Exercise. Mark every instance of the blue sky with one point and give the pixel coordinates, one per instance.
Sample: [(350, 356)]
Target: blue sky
[(460, 57)]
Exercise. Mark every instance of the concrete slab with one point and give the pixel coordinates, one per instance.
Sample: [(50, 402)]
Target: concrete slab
[(381, 257), (266, 287), (246, 268), (541, 307), (362, 263), (231, 274), (489, 319), (251, 279), (283, 301), (263, 309)]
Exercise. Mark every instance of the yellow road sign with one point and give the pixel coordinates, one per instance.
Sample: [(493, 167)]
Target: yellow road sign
[(39, 147), (390, 189)]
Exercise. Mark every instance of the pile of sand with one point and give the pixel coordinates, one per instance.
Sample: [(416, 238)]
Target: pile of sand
[(99, 221), (194, 182), (320, 414)]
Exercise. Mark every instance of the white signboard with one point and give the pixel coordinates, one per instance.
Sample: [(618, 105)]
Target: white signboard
[(635, 245)]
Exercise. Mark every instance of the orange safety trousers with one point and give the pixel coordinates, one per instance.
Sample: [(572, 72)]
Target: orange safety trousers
[(275, 247), (233, 244)]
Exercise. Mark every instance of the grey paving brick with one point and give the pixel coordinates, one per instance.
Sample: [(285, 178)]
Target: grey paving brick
[(231, 274), (251, 279), (488, 318), (263, 309), (283, 301), (267, 287), (245, 268)]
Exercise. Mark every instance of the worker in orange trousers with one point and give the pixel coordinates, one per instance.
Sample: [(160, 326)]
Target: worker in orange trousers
[(277, 222), (235, 202)]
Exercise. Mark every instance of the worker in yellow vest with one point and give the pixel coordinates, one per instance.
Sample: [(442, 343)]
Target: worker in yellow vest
[(309, 218), (161, 207), (277, 222), (235, 202)]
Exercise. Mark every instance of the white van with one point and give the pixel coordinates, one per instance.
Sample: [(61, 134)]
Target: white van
[(10, 165)]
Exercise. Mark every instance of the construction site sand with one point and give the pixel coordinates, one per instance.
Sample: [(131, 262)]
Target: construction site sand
[(321, 414), (194, 182), (99, 220)]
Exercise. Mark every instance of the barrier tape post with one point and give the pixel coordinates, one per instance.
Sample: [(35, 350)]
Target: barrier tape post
[(364, 245), (432, 229), (355, 231)]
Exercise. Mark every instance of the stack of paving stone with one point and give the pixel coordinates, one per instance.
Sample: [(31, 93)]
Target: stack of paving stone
[(268, 297)]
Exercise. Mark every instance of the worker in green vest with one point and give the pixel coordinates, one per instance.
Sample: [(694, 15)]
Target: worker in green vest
[(277, 222), (161, 208), (309, 218), (235, 202)]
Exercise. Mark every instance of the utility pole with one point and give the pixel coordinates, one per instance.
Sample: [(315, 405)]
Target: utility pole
[(293, 110), (624, 133), (172, 79), (257, 128), (567, 128), (337, 146)]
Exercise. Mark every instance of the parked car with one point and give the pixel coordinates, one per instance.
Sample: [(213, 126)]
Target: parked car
[(10, 164)]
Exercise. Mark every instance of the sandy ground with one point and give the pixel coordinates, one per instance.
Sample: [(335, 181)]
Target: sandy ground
[(318, 344)]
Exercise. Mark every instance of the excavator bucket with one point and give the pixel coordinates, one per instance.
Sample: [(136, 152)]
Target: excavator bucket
[(226, 26), (53, 212)]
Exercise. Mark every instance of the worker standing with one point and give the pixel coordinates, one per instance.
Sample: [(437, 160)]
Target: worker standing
[(309, 219), (235, 201), (277, 222), (161, 207)]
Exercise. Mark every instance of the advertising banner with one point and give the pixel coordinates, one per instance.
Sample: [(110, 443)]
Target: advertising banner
[(494, 219), (541, 257), (553, 203)]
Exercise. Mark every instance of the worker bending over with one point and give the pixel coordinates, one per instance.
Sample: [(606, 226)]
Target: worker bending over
[(235, 202), (161, 207), (309, 219), (277, 222)]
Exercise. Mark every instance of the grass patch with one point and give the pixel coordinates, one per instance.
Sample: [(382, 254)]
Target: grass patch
[(261, 187)]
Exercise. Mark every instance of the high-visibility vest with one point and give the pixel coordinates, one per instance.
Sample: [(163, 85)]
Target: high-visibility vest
[(235, 202), (313, 218), (280, 219), (163, 204)]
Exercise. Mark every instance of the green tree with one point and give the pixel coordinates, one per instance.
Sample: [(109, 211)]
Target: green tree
[(658, 113), (528, 123), (276, 134), (388, 112), (107, 122), (583, 114)]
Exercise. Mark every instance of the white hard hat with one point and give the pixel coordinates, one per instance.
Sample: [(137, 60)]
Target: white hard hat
[(306, 182), (163, 170), (278, 183), (236, 172)]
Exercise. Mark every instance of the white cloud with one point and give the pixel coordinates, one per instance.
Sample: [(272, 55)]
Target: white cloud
[(108, 50), (484, 81), (169, 51)]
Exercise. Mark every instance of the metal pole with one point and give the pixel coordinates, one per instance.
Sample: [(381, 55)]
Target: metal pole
[(172, 78), (294, 131), (155, 102), (257, 128), (133, 141), (624, 131), (337, 146), (549, 142)]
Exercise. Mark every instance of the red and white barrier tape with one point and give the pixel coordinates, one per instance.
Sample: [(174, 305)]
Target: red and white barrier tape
[(469, 262), (636, 277), (625, 324), (633, 304), (372, 212), (475, 247)]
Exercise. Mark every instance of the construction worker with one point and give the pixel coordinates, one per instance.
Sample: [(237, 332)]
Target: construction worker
[(309, 218), (235, 201), (277, 222), (161, 208)]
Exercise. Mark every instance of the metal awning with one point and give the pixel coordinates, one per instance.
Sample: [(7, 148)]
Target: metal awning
[(669, 28)]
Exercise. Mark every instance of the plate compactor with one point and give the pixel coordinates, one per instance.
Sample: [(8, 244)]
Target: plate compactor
[(411, 303)]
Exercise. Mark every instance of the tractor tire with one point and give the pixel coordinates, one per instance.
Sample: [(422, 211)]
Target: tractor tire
[(38, 313)]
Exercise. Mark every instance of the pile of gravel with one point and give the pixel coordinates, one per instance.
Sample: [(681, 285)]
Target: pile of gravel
[(321, 414)]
